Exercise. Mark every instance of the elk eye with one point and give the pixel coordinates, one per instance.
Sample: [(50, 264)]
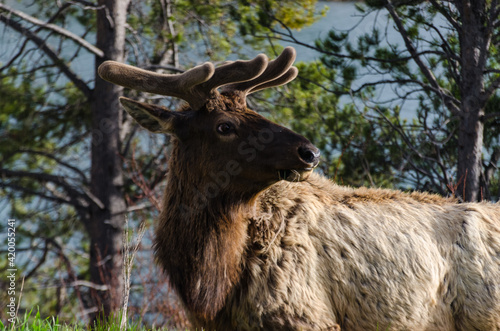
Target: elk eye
[(224, 128)]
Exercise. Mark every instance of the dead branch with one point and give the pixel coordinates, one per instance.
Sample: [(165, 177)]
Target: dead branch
[(55, 28), (72, 76)]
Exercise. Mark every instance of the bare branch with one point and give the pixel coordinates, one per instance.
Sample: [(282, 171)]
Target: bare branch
[(490, 116), (36, 193), (407, 81), (94, 199), (453, 58), (72, 76), (85, 4), (171, 54), (52, 157), (424, 69), (289, 37), (85, 283), (446, 15), (67, 262), (15, 57), (493, 18), (63, 32), (495, 84), (408, 143), (76, 198), (40, 262), (492, 165), (40, 176)]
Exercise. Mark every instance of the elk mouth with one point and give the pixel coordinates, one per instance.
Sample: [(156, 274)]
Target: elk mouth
[(294, 175)]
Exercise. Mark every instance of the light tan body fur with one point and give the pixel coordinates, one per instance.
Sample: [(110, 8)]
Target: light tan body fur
[(367, 259), (246, 250)]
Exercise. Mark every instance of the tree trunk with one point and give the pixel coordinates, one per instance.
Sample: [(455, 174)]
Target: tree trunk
[(474, 44), (106, 224), (470, 148)]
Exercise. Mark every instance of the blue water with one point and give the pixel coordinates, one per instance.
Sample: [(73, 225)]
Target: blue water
[(341, 15)]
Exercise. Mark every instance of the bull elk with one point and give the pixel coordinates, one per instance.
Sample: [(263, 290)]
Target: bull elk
[(252, 239)]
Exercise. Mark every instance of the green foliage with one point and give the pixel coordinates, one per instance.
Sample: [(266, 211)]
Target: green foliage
[(354, 150), (492, 128), (17, 116), (394, 83), (52, 323), (30, 120), (214, 28), (39, 134)]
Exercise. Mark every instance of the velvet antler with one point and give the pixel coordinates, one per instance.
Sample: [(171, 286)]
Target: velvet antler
[(278, 72), (200, 83)]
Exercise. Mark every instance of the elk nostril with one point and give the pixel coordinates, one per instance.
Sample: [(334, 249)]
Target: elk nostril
[(309, 155)]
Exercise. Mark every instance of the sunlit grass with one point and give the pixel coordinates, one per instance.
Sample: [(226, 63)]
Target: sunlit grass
[(28, 322)]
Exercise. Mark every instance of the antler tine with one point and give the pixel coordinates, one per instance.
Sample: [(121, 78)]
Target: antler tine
[(236, 72), (282, 80), (183, 86), (272, 76)]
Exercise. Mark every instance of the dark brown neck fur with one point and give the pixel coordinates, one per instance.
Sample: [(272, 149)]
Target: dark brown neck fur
[(199, 242)]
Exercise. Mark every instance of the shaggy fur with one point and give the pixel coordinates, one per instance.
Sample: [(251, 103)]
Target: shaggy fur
[(246, 250), (311, 255), (368, 259)]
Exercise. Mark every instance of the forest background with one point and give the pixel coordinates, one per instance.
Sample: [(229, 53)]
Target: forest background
[(405, 96)]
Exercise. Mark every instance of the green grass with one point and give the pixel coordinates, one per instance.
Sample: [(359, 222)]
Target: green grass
[(37, 323)]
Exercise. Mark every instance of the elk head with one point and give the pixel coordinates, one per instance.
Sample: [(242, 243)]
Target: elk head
[(216, 132)]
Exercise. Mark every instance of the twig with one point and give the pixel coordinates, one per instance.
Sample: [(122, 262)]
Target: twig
[(20, 297), (42, 45), (128, 260), (54, 28)]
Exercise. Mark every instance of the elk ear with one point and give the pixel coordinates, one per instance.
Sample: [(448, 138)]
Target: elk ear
[(154, 118)]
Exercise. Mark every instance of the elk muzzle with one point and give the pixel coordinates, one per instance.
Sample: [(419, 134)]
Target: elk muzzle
[(308, 155)]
